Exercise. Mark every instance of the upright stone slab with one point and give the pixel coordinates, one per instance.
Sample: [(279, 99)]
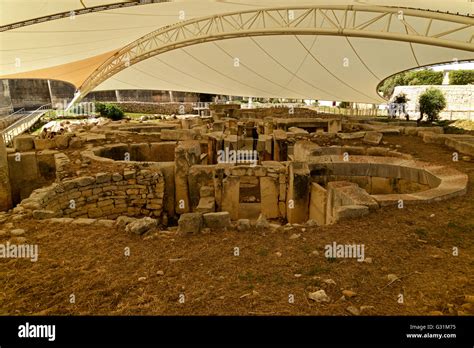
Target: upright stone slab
[(280, 147), (269, 190), (24, 176), (230, 196), (317, 208), (5, 190), (187, 154), (298, 193), (334, 126)]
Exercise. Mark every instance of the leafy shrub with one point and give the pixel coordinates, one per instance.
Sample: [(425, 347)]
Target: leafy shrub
[(100, 108), (461, 77), (432, 101), (345, 105), (111, 111)]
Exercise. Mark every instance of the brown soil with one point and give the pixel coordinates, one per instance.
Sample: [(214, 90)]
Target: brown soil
[(415, 243)]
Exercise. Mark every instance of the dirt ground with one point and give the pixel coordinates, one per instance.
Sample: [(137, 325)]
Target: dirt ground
[(415, 243)]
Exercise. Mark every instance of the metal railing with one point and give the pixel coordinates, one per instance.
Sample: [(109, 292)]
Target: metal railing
[(201, 106), (23, 124), (7, 120), (349, 112)]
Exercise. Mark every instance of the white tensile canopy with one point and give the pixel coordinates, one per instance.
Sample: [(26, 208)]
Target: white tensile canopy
[(309, 49)]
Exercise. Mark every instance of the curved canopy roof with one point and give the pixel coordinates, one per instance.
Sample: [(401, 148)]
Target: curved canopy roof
[(312, 49)]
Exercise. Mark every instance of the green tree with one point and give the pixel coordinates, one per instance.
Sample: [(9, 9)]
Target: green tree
[(411, 78), (424, 77), (388, 85), (461, 77), (345, 105), (432, 101)]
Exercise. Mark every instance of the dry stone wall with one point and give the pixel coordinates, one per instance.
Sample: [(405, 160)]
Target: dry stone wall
[(105, 195)]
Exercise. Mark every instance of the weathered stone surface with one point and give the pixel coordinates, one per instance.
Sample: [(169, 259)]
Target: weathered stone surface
[(297, 203), (319, 296), (85, 180), (187, 154), (230, 196), (5, 189), (350, 136), (141, 226), (318, 204), (269, 192), (243, 225), (373, 138), (217, 221), (17, 232), (190, 223), (262, 223), (61, 220), (103, 177), (43, 214), (23, 143), (206, 191), (350, 211), (83, 221), (206, 205), (44, 144), (106, 223), (62, 141), (123, 221)]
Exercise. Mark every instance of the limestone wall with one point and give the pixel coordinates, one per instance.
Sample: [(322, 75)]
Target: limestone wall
[(105, 195), (460, 100), (29, 93), (6, 106), (156, 108), (149, 96), (145, 152), (29, 171), (166, 168)]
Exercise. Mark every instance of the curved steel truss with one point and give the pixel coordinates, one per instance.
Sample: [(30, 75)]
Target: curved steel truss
[(78, 12), (337, 20)]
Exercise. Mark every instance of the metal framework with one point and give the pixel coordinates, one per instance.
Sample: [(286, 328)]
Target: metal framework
[(78, 12), (335, 20)]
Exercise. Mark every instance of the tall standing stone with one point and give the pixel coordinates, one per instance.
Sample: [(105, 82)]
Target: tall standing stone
[(5, 189), (298, 193), (187, 154), (230, 196)]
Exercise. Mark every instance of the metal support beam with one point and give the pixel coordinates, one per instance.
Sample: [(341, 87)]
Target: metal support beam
[(78, 12), (329, 20)]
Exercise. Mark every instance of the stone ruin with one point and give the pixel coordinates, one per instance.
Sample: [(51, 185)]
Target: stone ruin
[(296, 171)]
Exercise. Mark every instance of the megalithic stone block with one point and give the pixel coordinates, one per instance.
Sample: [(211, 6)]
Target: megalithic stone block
[(269, 191), (187, 154), (298, 193), (230, 196), (5, 189)]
